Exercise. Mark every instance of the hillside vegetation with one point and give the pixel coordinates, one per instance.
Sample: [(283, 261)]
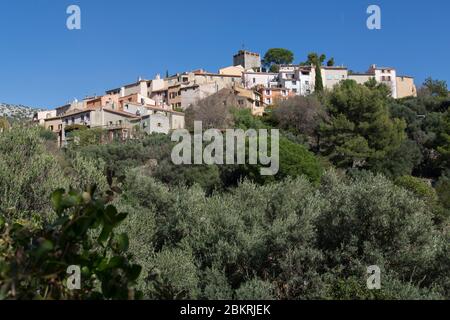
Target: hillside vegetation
[(364, 180)]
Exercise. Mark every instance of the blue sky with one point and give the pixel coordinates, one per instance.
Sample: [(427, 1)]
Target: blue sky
[(43, 64)]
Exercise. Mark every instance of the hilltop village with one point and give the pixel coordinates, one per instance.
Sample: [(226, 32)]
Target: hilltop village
[(158, 105)]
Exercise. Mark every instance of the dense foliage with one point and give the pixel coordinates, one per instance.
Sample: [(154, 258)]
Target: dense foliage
[(363, 180)]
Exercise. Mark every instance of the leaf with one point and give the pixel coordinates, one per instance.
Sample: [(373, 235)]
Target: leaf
[(134, 272), (123, 242), (104, 235), (120, 217), (116, 262), (110, 215), (44, 248), (56, 199), (2, 222)]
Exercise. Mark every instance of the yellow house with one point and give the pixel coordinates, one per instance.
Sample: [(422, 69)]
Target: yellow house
[(406, 87), (232, 71)]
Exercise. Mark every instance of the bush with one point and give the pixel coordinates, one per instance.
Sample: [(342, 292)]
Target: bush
[(34, 261)]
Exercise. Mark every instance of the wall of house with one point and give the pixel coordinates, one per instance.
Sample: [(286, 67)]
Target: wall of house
[(158, 123), (174, 98), (54, 124), (191, 95), (333, 76), (232, 71), (135, 109), (406, 87), (271, 95), (140, 87), (82, 118), (160, 98), (42, 115), (113, 120), (360, 78), (135, 98), (222, 81), (253, 79), (388, 77)]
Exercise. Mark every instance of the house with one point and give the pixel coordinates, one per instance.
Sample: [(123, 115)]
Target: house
[(360, 78), (406, 87), (250, 99), (387, 76), (138, 87), (110, 100), (253, 79), (74, 105), (118, 124), (232, 71), (298, 79), (157, 91), (187, 88), (331, 76), (39, 117), (157, 120), (271, 95), (135, 98)]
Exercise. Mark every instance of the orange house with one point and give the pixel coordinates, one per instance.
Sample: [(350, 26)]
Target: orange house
[(271, 95), (108, 100)]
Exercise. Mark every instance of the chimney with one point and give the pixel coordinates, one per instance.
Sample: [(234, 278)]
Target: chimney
[(122, 92)]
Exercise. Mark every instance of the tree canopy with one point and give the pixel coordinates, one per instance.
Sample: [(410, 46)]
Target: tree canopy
[(277, 56)]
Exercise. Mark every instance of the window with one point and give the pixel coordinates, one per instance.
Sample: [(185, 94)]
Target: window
[(241, 102), (73, 120), (294, 83), (294, 90), (159, 125), (82, 117), (66, 121), (110, 123), (254, 80), (51, 128), (268, 92), (185, 79), (88, 116)]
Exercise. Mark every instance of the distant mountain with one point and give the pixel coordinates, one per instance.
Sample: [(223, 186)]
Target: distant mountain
[(17, 112)]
